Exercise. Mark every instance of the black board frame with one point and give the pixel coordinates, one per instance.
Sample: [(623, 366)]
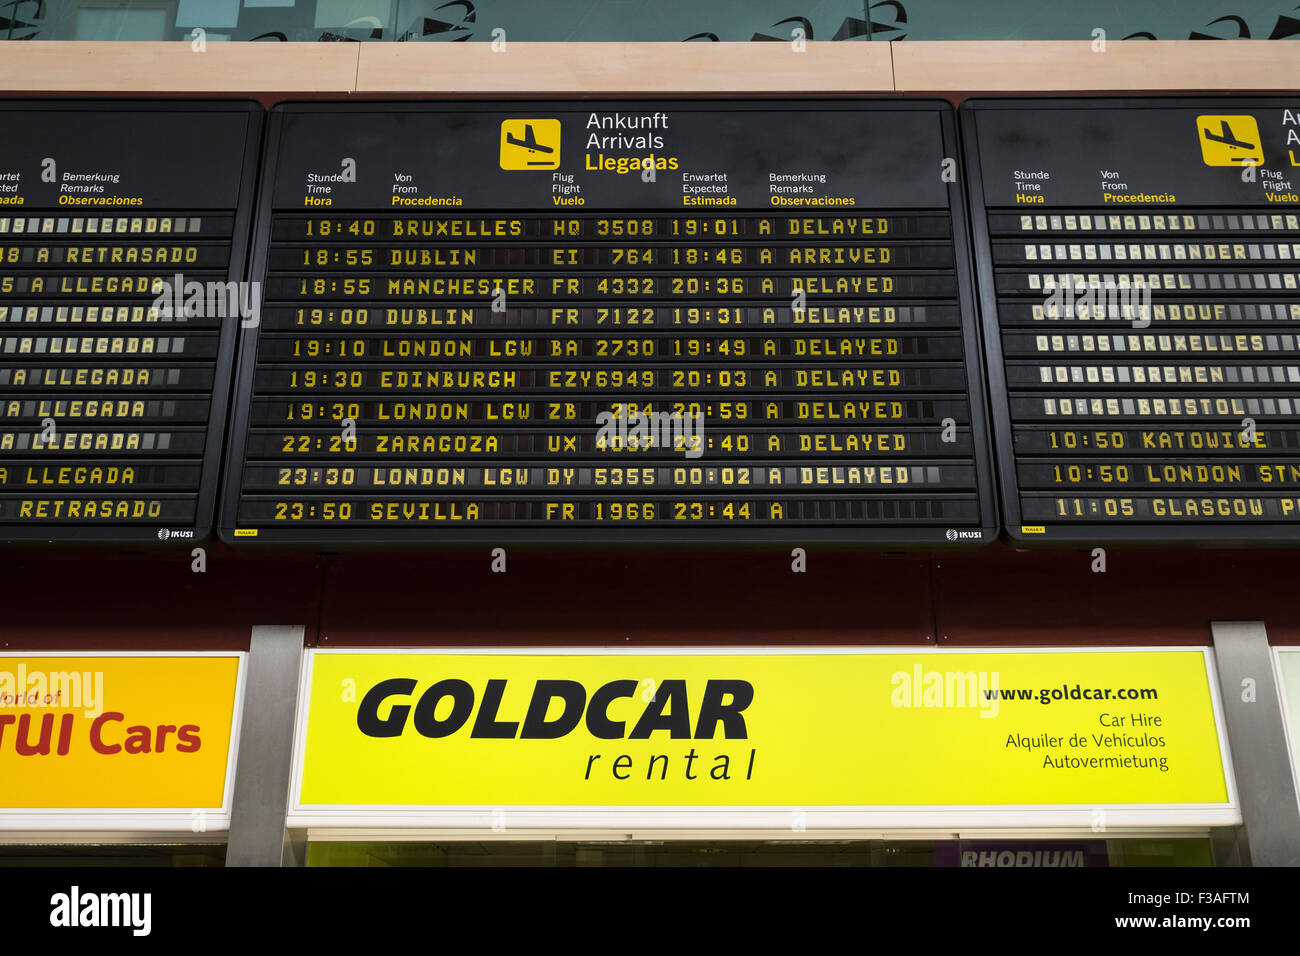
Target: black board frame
[(1080, 534), (714, 537), (213, 461)]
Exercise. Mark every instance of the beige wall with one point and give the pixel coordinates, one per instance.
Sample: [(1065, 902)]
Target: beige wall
[(475, 68)]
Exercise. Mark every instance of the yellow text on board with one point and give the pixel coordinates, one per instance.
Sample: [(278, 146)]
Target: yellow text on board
[(115, 732), (754, 729)]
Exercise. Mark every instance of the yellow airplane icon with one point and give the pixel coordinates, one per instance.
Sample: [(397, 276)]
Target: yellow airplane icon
[(530, 144), (1230, 140)]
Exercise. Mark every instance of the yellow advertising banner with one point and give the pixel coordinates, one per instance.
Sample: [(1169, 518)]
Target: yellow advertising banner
[(749, 729), (115, 731)]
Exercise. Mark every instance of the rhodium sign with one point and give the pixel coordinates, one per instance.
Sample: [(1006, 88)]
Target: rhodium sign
[(446, 734), (91, 736)]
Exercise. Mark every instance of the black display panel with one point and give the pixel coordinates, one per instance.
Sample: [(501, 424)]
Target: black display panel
[(1139, 271), (123, 235), (613, 323)]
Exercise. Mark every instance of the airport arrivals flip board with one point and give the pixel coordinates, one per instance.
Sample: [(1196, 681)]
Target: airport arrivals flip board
[(123, 233), (611, 322), (1139, 272)]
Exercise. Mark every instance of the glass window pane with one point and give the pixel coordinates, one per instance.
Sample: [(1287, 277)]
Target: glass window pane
[(97, 23)]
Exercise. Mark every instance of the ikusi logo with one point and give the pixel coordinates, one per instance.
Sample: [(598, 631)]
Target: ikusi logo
[(77, 909)]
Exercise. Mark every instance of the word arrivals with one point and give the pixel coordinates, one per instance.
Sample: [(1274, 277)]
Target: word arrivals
[(721, 769), (74, 909), (620, 140)]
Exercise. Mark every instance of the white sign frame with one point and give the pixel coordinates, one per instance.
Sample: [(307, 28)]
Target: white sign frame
[(534, 822), (1288, 717), (143, 819)]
